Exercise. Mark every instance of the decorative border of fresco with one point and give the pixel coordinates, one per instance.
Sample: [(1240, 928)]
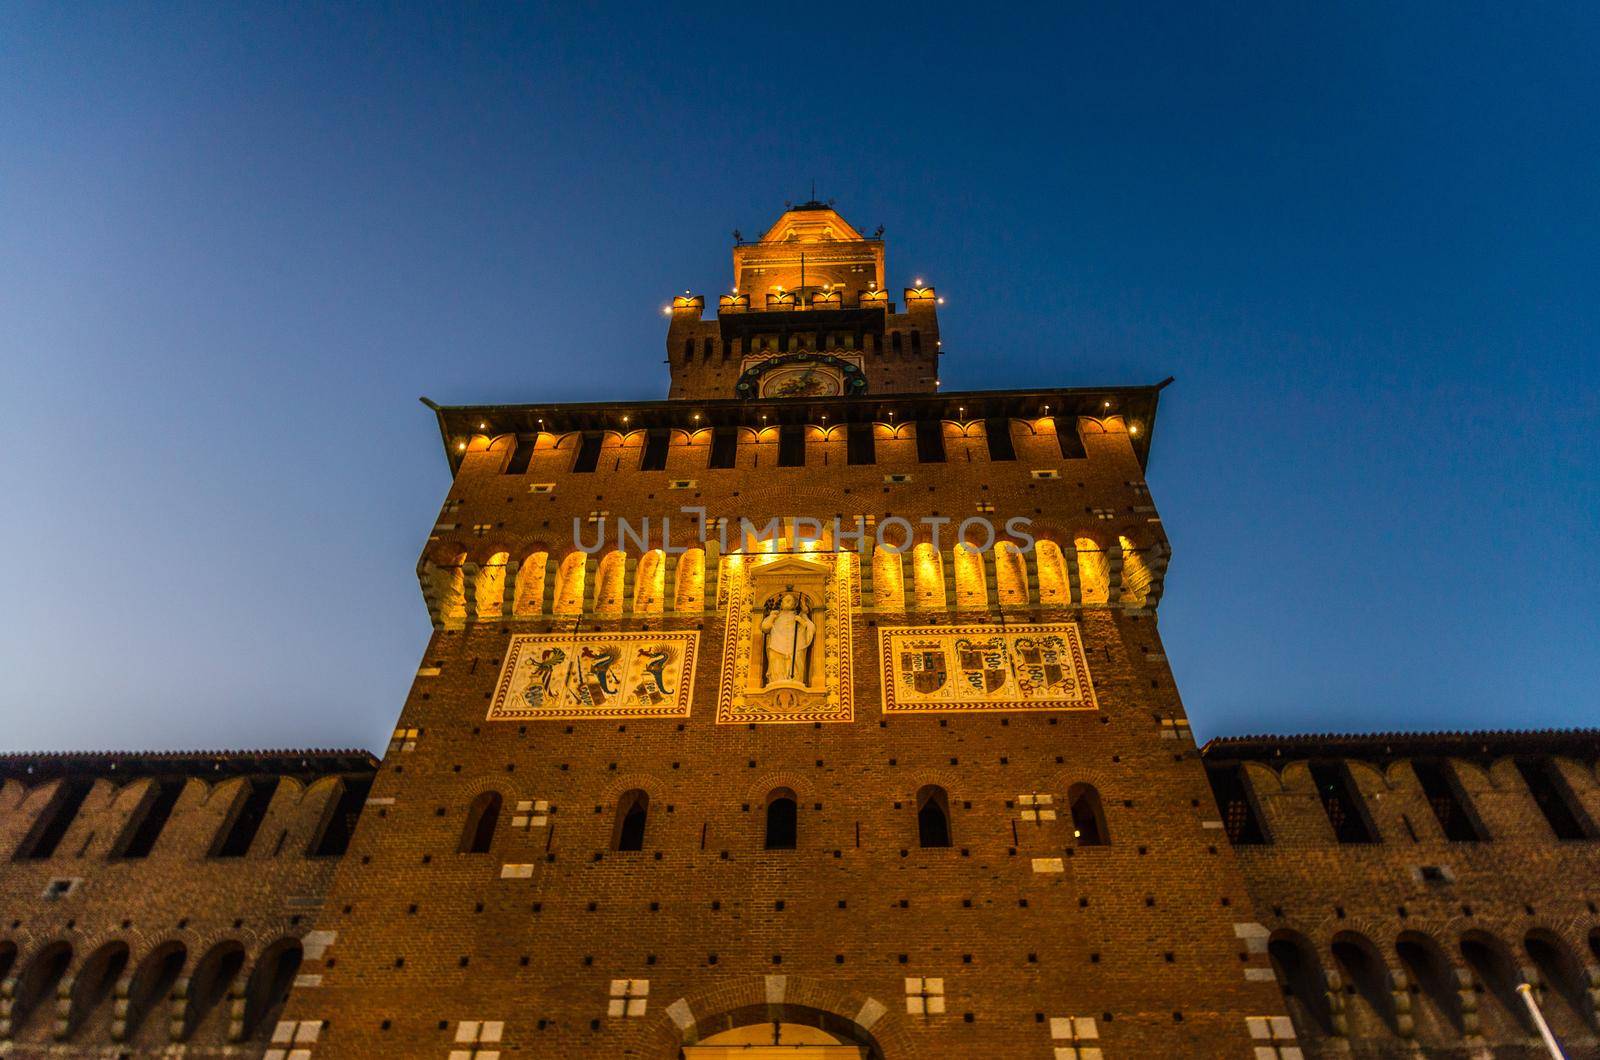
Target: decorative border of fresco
[(736, 595), (638, 687), (984, 668)]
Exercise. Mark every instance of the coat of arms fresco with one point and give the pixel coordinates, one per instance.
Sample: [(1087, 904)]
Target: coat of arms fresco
[(559, 676), (978, 668)]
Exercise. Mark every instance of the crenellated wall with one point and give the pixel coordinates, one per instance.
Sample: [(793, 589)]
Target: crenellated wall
[(1403, 915), (163, 902)]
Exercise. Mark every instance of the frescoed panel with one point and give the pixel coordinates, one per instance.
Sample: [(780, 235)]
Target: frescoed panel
[(596, 675), (982, 668)]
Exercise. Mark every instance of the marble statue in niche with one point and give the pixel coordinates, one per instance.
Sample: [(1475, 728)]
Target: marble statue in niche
[(789, 633)]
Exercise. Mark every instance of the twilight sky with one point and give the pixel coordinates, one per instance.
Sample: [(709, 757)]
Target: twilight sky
[(238, 241)]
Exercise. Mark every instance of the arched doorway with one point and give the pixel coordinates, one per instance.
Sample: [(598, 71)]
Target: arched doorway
[(774, 1041), (780, 1032)]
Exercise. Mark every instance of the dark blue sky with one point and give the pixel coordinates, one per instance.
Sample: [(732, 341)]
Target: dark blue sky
[(238, 241)]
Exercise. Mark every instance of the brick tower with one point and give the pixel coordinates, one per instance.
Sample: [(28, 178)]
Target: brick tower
[(724, 746)]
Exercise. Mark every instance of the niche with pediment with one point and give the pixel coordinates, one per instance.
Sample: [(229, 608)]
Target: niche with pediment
[(786, 656)]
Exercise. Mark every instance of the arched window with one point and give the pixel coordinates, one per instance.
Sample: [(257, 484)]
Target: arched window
[(344, 810), (1305, 988), (933, 817), (35, 988), (482, 817), (1088, 818), (1501, 1011), (93, 983), (157, 975), (269, 987), (633, 810), (1566, 984), (1436, 1000), (916, 343), (1369, 1003), (212, 978), (688, 348), (783, 820)]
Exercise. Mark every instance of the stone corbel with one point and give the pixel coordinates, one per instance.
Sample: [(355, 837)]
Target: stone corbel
[(121, 1004), (177, 1016), (63, 1007), (1471, 1025), (1400, 991), (1069, 560), (1156, 559), (469, 589), (8, 1002), (428, 579), (236, 1005), (1336, 1012)]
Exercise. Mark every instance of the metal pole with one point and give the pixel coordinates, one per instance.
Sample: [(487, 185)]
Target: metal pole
[(1538, 1018)]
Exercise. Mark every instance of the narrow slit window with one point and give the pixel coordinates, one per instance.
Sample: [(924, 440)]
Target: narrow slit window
[(930, 441), (477, 837), (633, 810), (933, 817), (1088, 816), (783, 813)]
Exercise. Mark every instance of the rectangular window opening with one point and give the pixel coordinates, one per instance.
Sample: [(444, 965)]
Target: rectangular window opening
[(1448, 801), (724, 447), (588, 454), (655, 451), (792, 445), (1346, 811), (52, 824), (334, 838), (863, 445), (521, 456), (1550, 791), (930, 441), (997, 431), (145, 826), (1236, 802), (250, 810), (1068, 438)]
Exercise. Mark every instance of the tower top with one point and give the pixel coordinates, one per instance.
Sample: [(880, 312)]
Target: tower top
[(810, 246)]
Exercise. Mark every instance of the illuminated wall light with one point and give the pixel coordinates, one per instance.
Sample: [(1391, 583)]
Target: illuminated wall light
[(941, 301), (1133, 428), (461, 447), (917, 282)]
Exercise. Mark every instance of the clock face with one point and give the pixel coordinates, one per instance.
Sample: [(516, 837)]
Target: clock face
[(802, 380)]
